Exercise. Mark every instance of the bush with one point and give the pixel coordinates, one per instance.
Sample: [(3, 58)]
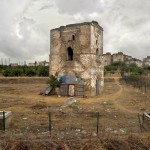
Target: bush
[(16, 72), (12, 72), (133, 75), (7, 73), (124, 68), (43, 71), (30, 72)]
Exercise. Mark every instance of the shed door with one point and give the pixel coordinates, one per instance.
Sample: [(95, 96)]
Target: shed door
[(71, 90)]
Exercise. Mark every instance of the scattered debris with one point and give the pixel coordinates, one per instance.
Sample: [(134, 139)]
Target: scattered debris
[(39, 106), (108, 129), (123, 131), (42, 92), (73, 106), (94, 134), (70, 103), (105, 103), (108, 110), (146, 121), (46, 91)]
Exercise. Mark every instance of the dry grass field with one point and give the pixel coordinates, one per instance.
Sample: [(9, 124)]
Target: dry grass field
[(73, 126)]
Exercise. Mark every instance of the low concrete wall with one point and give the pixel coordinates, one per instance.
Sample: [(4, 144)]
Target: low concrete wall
[(19, 80)]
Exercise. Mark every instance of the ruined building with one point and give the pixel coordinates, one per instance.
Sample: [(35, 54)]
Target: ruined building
[(120, 57), (76, 58), (107, 59)]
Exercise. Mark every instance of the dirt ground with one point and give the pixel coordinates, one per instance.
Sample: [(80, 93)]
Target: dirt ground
[(118, 107)]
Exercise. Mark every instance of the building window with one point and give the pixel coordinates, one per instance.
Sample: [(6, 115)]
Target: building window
[(73, 37), (69, 53)]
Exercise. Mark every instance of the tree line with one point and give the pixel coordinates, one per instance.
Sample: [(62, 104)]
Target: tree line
[(131, 70), (29, 71)]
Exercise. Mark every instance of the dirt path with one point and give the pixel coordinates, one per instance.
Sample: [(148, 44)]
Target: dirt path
[(118, 95)]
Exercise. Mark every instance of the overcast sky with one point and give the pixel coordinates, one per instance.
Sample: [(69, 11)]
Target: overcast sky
[(25, 25)]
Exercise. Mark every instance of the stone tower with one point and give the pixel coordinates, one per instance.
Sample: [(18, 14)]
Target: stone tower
[(76, 58)]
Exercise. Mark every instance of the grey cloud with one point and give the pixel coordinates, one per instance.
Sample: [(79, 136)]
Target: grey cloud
[(24, 41), (76, 6), (126, 27), (46, 7), (24, 30), (20, 38), (25, 27)]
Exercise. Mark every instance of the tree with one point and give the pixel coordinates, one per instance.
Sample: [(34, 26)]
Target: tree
[(7, 73), (16, 72)]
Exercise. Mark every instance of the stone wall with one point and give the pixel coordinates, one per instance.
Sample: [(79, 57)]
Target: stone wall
[(108, 59)]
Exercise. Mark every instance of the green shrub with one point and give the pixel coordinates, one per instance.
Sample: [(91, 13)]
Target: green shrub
[(16, 72), (7, 73), (30, 72), (53, 81)]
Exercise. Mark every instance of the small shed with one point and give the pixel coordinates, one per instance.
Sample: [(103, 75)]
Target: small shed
[(71, 86)]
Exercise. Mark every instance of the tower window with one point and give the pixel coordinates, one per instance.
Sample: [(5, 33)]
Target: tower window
[(73, 37), (69, 53), (97, 52)]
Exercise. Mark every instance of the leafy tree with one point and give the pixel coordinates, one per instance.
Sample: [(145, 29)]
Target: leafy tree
[(16, 72), (30, 72), (133, 65), (7, 73), (147, 68), (108, 68), (124, 68), (43, 71)]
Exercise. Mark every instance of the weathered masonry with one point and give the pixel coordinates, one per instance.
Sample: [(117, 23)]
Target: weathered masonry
[(76, 58)]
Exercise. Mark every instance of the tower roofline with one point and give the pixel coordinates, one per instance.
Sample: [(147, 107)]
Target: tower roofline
[(79, 24)]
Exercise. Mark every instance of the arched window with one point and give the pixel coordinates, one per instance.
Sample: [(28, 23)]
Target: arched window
[(69, 53)]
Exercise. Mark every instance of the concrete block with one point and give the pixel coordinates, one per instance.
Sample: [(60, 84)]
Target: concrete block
[(8, 116)]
